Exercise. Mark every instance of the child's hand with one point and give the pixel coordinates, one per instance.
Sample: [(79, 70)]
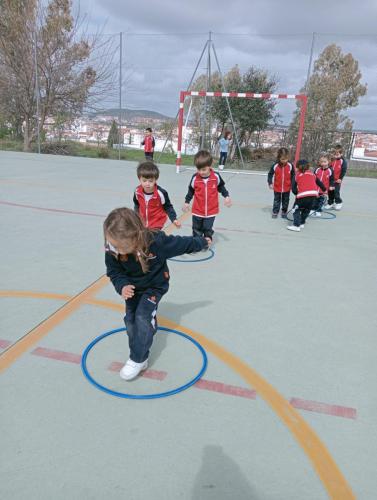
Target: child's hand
[(209, 241), (177, 223), (128, 291), (339, 181), (186, 207), (228, 202), (271, 186), (331, 188)]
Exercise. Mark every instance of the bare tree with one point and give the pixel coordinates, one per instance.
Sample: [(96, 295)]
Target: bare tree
[(45, 52)]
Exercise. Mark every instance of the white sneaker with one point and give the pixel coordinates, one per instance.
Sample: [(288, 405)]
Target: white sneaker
[(328, 207), (312, 212), (293, 228), (338, 206), (221, 167), (318, 214), (131, 369), (302, 226)]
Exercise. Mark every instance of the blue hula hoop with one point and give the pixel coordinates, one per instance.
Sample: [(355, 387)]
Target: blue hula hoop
[(212, 254), (142, 396), (332, 215)]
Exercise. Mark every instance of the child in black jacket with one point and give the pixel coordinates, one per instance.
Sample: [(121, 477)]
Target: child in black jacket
[(136, 265)]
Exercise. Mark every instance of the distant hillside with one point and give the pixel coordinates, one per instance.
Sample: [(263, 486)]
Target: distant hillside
[(130, 114)]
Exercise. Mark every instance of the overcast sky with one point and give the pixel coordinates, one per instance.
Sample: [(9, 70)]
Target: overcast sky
[(163, 40)]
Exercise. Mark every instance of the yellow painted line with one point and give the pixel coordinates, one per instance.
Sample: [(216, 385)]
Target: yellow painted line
[(16, 350), (323, 463)]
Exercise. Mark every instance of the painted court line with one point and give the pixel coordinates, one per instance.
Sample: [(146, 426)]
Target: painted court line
[(208, 385), (58, 210)]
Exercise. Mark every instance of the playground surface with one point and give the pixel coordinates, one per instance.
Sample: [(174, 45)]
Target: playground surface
[(286, 408)]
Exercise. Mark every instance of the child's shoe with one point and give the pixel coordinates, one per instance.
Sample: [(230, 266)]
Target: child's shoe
[(318, 214), (302, 226), (329, 207), (312, 212), (131, 369), (338, 206), (284, 215), (273, 215), (293, 228), (221, 167)]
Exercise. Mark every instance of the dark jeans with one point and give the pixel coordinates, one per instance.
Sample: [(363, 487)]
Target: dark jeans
[(202, 226), (319, 202), (283, 199), (149, 156), (223, 157), (335, 195), (141, 322), (301, 209)]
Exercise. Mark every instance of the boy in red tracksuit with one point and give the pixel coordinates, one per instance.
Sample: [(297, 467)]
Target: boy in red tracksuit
[(306, 191), (339, 166), (149, 144), (204, 188), (282, 172), (151, 201), (326, 175)]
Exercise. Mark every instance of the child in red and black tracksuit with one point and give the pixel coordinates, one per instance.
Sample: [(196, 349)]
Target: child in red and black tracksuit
[(339, 166), (136, 265), (151, 201), (204, 188), (282, 172), (306, 191), (325, 174), (149, 144)]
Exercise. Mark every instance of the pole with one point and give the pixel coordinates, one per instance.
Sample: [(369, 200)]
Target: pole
[(188, 88), (120, 92), (180, 124), (208, 89), (304, 102), (227, 102), (310, 63), (37, 91)]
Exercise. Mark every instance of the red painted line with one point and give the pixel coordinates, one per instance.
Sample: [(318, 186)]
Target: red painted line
[(153, 374), (210, 385), (4, 343), (51, 209), (335, 410), (69, 357)]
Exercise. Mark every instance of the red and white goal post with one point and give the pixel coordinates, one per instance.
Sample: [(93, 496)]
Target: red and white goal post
[(240, 95)]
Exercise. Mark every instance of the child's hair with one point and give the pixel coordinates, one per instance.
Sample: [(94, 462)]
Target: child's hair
[(148, 170), (227, 134), (324, 154), (124, 224), (282, 153), (203, 159), (148, 129), (338, 147), (302, 165)]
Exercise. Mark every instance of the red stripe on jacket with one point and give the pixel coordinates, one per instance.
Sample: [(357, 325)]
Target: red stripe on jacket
[(206, 197), (152, 212), (306, 184)]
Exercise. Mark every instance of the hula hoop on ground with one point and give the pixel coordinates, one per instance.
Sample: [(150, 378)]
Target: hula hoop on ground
[(325, 215), (143, 396), (211, 255)]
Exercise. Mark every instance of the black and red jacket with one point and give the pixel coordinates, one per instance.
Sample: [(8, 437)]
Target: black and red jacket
[(305, 185), (154, 210), (205, 192), (326, 176), (148, 144), (282, 175), (339, 167)]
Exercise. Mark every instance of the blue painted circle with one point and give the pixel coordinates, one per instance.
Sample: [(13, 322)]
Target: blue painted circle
[(212, 254), (143, 396), (325, 215)]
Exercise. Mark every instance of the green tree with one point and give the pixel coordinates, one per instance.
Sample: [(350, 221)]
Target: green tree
[(66, 78), (333, 87), (113, 137)]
